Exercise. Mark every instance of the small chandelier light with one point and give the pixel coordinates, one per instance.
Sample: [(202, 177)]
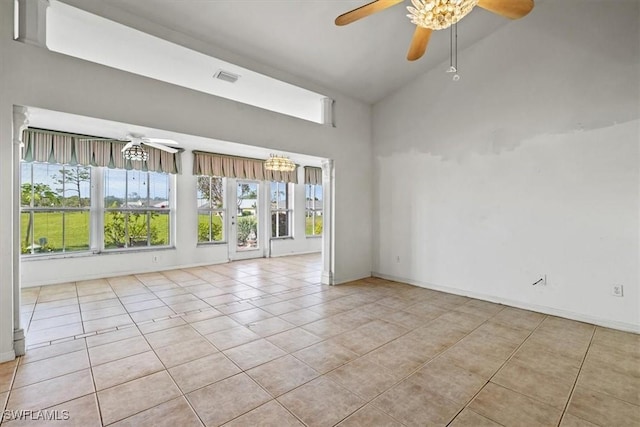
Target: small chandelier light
[(439, 14), (279, 163), (135, 152)]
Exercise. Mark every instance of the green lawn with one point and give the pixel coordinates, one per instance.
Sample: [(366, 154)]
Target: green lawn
[(48, 230)]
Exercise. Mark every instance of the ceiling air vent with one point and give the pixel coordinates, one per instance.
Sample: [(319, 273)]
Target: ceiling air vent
[(226, 76)]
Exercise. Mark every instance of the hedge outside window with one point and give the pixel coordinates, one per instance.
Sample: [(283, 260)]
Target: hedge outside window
[(136, 209)]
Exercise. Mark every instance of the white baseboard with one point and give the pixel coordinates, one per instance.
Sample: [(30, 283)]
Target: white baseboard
[(293, 254), (580, 317), (7, 356), (122, 273)]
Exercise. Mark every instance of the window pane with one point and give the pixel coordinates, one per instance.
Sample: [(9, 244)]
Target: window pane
[(137, 229), (114, 230), (47, 231), (217, 227), (43, 190), (74, 182), (317, 226), (26, 185), (76, 231), (247, 231), (274, 195), (137, 189), (313, 195), (280, 224), (26, 232), (217, 193), (204, 227), (159, 189), (115, 189), (308, 223), (159, 228), (204, 191), (317, 200)]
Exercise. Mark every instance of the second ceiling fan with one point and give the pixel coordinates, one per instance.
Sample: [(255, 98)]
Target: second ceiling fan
[(430, 15)]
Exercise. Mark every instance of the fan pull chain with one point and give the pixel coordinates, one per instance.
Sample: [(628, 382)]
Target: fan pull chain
[(453, 52)]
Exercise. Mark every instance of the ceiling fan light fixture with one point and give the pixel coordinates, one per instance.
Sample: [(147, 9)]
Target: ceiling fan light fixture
[(279, 163), (135, 152), (439, 14)]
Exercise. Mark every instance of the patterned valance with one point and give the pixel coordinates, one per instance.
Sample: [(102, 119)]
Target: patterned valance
[(63, 148), (237, 167), (312, 175)]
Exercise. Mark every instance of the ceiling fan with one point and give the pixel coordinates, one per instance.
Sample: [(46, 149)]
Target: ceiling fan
[(430, 15), (159, 143)]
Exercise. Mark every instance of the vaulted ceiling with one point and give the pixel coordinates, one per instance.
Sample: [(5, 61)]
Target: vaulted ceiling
[(366, 60)]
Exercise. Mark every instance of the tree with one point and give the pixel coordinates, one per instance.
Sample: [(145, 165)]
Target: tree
[(211, 189), (72, 179), (38, 195), (246, 193)]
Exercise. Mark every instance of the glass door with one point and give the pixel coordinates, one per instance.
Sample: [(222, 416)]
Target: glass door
[(245, 221)]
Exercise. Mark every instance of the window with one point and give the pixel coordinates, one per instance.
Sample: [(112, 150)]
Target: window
[(211, 210), (313, 210), (280, 210), (55, 205), (136, 209)]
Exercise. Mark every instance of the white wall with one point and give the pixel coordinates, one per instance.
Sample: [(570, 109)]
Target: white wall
[(32, 76), (529, 165)]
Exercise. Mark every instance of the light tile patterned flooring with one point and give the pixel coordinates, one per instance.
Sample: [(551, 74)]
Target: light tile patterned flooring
[(260, 342)]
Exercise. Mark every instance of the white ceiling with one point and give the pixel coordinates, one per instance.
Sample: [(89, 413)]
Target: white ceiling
[(365, 60)]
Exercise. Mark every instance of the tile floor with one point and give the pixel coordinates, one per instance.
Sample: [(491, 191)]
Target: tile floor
[(261, 342)]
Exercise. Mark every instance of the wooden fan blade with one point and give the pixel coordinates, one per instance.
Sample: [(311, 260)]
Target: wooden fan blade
[(364, 11), (419, 43), (512, 9)]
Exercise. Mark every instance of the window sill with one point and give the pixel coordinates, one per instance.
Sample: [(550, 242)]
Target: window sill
[(207, 244), (314, 236), (135, 249), (43, 257), (63, 255), (283, 238)]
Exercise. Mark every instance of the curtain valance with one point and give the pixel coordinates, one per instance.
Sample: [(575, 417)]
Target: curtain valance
[(237, 167), (312, 175), (63, 148)]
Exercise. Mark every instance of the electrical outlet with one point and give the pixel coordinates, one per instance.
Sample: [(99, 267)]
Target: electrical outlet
[(616, 291), (154, 258), (398, 258)]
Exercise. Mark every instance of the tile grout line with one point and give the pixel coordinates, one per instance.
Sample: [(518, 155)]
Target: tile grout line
[(466, 405), (575, 383), (296, 326)]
